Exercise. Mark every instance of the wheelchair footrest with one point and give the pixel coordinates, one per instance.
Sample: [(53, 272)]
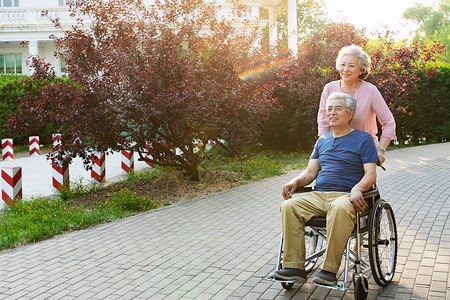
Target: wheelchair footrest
[(340, 286), (272, 278)]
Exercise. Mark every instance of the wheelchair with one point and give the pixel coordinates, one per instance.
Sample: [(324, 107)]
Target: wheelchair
[(375, 232)]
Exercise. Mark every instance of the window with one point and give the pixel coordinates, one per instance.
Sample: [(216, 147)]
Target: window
[(63, 67), (248, 13), (10, 63), (9, 3)]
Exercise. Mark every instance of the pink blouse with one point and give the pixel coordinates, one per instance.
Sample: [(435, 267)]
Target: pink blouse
[(370, 104)]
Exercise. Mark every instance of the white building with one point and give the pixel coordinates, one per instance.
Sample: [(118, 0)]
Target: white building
[(22, 20)]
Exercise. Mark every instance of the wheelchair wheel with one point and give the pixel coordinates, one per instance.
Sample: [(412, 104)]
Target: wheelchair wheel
[(361, 286), (313, 243), (383, 243)]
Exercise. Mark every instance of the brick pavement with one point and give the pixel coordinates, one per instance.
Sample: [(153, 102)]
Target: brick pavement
[(223, 245)]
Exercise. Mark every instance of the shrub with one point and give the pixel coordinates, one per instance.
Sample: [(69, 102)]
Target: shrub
[(125, 200), (428, 111), (11, 89)]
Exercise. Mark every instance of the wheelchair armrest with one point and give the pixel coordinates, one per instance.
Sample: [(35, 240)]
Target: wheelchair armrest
[(304, 189), (372, 192), (371, 196)]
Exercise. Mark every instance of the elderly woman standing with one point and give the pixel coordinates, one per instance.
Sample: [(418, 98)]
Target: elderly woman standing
[(354, 65)]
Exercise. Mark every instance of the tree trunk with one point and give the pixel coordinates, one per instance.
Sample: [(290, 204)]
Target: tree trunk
[(192, 171)]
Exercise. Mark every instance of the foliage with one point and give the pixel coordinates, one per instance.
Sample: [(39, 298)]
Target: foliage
[(310, 19), (11, 88), (266, 165), (155, 172), (434, 24), (128, 201), (428, 119), (398, 68), (257, 162), (31, 221), (76, 189), (156, 79)]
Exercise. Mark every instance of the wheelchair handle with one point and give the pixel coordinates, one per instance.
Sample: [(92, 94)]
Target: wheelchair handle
[(378, 164)]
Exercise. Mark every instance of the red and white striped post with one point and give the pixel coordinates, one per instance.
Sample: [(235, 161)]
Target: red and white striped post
[(56, 138), (148, 155), (34, 145), (7, 149), (60, 175), (11, 184), (98, 167), (60, 170), (127, 161)]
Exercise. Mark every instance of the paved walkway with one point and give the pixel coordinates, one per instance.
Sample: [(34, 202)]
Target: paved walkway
[(222, 246)]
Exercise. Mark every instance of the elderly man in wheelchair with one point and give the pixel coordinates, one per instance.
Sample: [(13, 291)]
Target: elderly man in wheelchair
[(343, 165)]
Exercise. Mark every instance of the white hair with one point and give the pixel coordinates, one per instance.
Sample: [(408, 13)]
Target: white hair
[(364, 59)]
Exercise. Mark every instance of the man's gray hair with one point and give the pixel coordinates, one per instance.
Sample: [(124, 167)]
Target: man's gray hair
[(350, 102)]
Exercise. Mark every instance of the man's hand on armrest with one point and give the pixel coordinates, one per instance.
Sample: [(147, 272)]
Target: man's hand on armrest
[(289, 189), (305, 178), (357, 199), (369, 178)]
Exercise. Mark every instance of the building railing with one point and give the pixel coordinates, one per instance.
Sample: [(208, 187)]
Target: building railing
[(20, 18)]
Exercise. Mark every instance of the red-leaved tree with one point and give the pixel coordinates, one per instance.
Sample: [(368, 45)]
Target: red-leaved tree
[(300, 83), (397, 69), (156, 79)]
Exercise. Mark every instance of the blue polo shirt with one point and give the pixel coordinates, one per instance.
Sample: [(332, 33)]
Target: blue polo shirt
[(341, 160)]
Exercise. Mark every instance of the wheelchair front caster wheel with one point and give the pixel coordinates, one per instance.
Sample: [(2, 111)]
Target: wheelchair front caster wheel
[(287, 286), (361, 288)]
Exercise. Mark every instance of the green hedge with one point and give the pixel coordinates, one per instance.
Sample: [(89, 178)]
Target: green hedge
[(10, 90), (427, 118)]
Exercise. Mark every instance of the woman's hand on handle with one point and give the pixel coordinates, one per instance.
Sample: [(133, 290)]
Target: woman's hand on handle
[(381, 158), (381, 150)]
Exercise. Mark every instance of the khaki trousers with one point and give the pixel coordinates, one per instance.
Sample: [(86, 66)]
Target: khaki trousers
[(295, 212)]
